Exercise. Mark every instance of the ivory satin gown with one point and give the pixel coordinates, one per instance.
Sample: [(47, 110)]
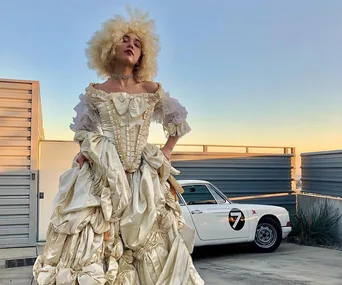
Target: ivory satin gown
[(115, 220)]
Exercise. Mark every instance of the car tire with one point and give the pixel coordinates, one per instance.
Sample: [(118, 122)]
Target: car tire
[(268, 235)]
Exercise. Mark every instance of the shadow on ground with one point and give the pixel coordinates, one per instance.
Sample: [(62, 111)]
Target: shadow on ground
[(222, 251)]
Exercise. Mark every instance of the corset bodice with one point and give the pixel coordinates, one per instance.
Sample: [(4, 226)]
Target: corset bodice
[(125, 119)]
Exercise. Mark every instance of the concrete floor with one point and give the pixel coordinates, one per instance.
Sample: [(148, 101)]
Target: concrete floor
[(290, 265)]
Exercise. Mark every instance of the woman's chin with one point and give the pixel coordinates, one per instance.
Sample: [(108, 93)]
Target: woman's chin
[(126, 61)]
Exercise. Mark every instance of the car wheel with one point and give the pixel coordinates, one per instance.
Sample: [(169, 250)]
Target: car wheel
[(268, 235)]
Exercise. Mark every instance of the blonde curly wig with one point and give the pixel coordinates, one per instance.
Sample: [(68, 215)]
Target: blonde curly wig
[(101, 47)]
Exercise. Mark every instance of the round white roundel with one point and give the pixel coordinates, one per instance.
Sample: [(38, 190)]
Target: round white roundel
[(236, 219)]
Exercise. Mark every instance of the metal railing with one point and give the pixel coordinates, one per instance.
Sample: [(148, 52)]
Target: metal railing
[(205, 148)]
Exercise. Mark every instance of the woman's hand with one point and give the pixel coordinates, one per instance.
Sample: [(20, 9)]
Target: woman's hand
[(81, 159), (167, 152)]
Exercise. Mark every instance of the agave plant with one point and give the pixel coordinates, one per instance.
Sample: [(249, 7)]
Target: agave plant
[(316, 225)]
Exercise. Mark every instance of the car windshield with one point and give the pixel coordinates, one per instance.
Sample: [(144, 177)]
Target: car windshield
[(219, 196), (198, 195)]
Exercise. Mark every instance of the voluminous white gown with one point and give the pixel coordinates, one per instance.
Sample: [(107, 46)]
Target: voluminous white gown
[(115, 220)]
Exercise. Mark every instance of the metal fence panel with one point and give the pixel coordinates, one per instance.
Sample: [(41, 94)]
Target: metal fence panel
[(250, 179), (322, 173)]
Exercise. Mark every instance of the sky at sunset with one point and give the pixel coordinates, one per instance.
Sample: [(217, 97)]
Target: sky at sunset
[(248, 72)]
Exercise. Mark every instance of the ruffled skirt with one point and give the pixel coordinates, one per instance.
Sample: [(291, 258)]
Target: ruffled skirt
[(112, 227)]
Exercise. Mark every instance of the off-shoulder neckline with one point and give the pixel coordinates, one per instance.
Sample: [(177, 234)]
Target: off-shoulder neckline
[(100, 91)]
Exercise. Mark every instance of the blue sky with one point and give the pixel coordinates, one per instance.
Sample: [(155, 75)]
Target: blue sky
[(249, 72)]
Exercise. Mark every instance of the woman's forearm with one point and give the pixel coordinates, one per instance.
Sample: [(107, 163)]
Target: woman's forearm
[(171, 142)]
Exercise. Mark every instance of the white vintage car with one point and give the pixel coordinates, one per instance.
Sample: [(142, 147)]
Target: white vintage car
[(217, 220)]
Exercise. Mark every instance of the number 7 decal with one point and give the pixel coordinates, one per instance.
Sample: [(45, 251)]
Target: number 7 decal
[(238, 215), (236, 219)]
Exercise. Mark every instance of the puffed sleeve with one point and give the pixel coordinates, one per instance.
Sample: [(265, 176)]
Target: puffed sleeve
[(86, 120), (172, 115)]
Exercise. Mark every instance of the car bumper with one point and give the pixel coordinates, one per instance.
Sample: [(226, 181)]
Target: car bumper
[(286, 231)]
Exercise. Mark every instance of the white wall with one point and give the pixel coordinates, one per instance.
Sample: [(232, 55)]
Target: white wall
[(55, 158)]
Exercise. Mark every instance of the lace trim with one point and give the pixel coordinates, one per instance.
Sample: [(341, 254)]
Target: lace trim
[(172, 115), (179, 130), (107, 95), (80, 135), (86, 117)]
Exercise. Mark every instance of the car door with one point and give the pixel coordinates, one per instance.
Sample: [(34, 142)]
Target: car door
[(215, 218)]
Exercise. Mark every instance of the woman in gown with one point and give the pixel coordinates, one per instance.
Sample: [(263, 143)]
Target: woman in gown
[(116, 219)]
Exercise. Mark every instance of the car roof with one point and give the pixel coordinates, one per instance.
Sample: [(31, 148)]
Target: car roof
[(189, 182)]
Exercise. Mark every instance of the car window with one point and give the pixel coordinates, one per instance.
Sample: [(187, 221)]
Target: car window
[(217, 196), (198, 195)]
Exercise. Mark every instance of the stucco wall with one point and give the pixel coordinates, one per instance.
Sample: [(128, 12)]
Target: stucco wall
[(55, 158)]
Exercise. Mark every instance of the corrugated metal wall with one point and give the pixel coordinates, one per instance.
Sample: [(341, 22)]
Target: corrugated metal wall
[(267, 178), (322, 173), (20, 130)]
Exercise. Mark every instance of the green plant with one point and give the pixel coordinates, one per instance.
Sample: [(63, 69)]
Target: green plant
[(316, 225)]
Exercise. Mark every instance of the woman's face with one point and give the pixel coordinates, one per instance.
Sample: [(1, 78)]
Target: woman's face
[(129, 51)]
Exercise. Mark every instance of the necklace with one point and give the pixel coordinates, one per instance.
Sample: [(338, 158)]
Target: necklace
[(121, 76)]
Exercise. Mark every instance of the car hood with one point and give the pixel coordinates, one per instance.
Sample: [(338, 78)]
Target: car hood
[(258, 206)]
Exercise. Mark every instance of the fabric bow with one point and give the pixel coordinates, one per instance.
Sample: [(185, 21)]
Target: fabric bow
[(130, 108), (92, 274)]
